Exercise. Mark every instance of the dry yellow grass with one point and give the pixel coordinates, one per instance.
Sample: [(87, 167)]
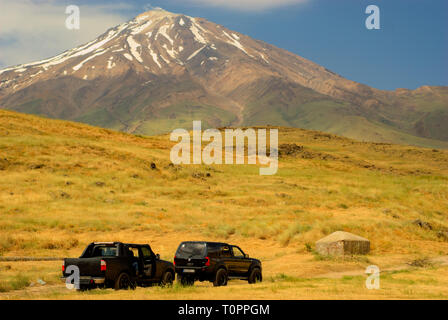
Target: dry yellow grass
[(411, 283), (64, 185)]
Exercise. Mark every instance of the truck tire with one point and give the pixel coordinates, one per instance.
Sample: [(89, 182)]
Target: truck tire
[(220, 278), (186, 280), (83, 287), (124, 281), (255, 276), (167, 279)]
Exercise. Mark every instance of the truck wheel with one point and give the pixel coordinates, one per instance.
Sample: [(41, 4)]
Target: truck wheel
[(255, 276), (124, 282), (220, 278), (167, 279), (83, 287), (186, 280)]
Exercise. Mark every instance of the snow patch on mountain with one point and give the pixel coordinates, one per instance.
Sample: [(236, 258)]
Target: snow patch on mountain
[(79, 66), (111, 35), (162, 31), (172, 53), (110, 63), (141, 28), (36, 74), (197, 35), (164, 59), (141, 18), (264, 58), (195, 53), (154, 56), (236, 43), (76, 52), (134, 45)]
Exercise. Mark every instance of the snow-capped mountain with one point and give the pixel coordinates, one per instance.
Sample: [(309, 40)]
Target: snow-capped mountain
[(157, 71), (160, 42)]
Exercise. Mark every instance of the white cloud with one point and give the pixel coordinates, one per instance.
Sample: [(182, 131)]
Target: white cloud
[(34, 30), (246, 5)]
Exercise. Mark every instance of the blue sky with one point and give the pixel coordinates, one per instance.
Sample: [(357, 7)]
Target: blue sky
[(410, 49)]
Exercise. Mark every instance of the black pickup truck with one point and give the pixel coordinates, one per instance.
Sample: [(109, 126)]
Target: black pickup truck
[(119, 265), (215, 262)]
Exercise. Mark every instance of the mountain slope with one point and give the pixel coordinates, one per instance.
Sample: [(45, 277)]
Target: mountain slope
[(161, 70)]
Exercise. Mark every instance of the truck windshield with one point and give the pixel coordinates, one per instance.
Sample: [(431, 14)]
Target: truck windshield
[(191, 249)]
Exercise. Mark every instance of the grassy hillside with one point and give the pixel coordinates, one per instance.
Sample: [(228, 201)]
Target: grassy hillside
[(413, 117), (65, 184), (142, 104)]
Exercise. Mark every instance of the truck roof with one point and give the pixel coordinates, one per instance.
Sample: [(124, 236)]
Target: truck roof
[(118, 242), (208, 242)]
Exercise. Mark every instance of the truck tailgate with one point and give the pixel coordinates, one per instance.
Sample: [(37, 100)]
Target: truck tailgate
[(87, 266)]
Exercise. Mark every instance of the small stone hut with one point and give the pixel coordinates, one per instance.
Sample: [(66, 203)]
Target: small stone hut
[(342, 243)]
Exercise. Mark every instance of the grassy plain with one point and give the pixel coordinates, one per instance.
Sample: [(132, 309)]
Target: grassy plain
[(64, 185)]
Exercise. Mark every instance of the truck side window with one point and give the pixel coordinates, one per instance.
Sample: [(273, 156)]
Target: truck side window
[(146, 252), (225, 252), (133, 252), (237, 253), (213, 251)]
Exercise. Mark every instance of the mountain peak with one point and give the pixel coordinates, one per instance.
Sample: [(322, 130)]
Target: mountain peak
[(155, 13)]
